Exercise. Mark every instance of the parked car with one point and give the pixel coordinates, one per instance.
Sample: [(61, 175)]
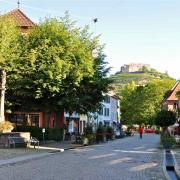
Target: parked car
[(157, 131), (149, 130)]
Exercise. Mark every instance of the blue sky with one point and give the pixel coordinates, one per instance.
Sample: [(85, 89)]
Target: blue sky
[(134, 31)]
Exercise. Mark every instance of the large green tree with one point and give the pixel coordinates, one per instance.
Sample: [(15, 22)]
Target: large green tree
[(58, 70), (10, 51), (141, 104)]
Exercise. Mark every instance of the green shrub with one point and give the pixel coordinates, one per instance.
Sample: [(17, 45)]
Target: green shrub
[(88, 133), (50, 133), (165, 118), (100, 133), (88, 130), (109, 133), (167, 140)]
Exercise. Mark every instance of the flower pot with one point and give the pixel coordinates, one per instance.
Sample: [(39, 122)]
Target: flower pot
[(85, 141)]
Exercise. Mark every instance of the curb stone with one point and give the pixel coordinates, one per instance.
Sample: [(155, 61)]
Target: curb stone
[(176, 167)]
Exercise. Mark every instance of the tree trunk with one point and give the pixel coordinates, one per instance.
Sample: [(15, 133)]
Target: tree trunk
[(3, 83)]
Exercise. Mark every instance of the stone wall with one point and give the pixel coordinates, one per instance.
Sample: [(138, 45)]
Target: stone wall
[(133, 67)]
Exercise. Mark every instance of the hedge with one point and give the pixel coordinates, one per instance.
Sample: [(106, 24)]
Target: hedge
[(50, 133)]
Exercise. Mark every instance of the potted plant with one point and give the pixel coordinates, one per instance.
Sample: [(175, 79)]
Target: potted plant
[(87, 137), (100, 134), (109, 133)]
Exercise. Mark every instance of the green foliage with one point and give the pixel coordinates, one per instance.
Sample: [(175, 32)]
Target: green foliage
[(165, 118), (50, 134), (140, 104), (167, 141), (109, 133), (178, 94), (88, 130), (120, 80), (9, 44), (57, 70), (88, 133), (100, 133)]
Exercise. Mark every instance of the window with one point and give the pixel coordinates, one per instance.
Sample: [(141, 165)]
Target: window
[(106, 111), (101, 111), (34, 119), (25, 119), (107, 99)]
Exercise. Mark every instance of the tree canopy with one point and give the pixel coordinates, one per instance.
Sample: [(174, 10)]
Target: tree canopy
[(165, 118), (57, 70), (140, 104), (9, 44)]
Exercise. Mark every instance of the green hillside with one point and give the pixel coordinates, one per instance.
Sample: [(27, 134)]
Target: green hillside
[(140, 78)]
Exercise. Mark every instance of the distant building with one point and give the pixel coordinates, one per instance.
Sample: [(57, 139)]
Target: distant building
[(170, 101), (22, 21), (133, 67)]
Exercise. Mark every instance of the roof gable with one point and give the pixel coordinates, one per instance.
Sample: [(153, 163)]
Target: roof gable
[(20, 18), (171, 95)]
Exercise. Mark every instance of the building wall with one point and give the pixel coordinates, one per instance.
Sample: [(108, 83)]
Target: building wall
[(42, 119), (114, 110)]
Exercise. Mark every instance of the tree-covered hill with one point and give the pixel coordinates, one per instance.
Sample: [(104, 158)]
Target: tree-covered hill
[(140, 78)]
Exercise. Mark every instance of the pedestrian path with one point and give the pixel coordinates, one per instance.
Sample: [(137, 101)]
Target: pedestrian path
[(11, 156)]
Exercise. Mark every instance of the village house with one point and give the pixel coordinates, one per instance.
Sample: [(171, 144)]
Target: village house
[(171, 103)]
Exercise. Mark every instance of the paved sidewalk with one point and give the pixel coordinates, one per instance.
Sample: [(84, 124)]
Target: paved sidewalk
[(11, 156)]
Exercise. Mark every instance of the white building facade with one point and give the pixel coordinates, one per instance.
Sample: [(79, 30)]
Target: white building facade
[(109, 115), (110, 112)]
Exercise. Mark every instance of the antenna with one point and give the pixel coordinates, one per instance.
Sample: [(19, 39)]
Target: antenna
[(18, 3)]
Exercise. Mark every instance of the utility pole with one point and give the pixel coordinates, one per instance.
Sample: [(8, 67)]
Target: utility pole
[(3, 88)]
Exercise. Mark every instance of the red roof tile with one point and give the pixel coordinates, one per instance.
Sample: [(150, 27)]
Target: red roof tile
[(21, 19)]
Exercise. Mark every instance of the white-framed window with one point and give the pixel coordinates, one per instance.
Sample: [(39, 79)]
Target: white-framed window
[(101, 111), (106, 111), (107, 99)]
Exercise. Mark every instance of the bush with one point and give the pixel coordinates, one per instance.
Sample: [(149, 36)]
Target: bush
[(50, 134), (167, 141), (109, 133), (100, 133), (88, 133), (165, 118), (88, 130)]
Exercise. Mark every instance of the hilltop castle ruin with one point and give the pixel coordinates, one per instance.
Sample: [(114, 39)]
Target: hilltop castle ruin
[(134, 67)]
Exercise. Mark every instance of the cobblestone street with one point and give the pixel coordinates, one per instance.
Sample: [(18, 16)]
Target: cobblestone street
[(123, 159)]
